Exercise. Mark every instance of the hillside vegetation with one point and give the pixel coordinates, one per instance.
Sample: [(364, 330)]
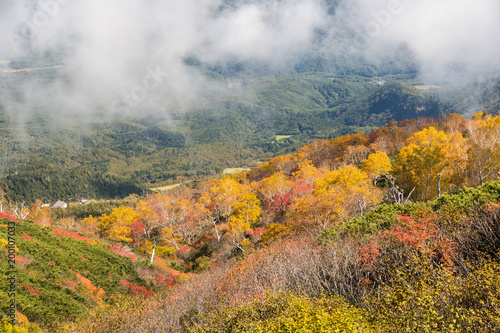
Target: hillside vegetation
[(392, 231)]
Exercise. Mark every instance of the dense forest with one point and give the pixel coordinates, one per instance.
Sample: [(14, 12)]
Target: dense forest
[(391, 231)]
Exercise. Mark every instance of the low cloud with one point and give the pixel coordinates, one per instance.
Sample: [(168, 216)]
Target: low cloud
[(109, 49)]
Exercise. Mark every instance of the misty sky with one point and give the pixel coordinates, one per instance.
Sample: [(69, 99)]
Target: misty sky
[(119, 54)]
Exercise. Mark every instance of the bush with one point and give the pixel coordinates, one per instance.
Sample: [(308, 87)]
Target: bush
[(379, 219), (285, 312), (423, 297)]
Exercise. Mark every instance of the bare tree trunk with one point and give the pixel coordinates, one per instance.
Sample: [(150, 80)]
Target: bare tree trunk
[(408, 197), (20, 212), (153, 251), (216, 231), (439, 184)]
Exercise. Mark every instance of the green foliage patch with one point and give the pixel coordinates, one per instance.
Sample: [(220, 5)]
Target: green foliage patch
[(59, 277)]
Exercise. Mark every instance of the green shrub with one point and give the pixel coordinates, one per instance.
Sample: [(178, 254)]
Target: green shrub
[(379, 219), (59, 277)]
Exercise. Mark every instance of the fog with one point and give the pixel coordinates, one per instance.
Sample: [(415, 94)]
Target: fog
[(129, 56)]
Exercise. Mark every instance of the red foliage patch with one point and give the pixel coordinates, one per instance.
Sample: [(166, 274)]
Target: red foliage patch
[(83, 258), (415, 234), (27, 237), (279, 203), (73, 235), (166, 280), (301, 189), (134, 289), (86, 282), (98, 292), (32, 290), (184, 252), (162, 280), (53, 263), (70, 284), (367, 255), (256, 233), (122, 250), (422, 235), (22, 261), (7, 216), (137, 232)]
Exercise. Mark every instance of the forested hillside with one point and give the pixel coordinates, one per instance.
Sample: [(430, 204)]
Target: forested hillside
[(125, 154), (391, 231)]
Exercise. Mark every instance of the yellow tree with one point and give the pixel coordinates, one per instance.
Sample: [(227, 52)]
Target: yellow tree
[(184, 226), (148, 216), (216, 204), (484, 149), (245, 212), (342, 178), (352, 187), (116, 225), (317, 212), (269, 187), (44, 217), (225, 194), (35, 209), (431, 159), (308, 173), (377, 164), (90, 225), (338, 195)]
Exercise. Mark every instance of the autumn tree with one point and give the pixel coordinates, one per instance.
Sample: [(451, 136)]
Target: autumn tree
[(356, 154), (317, 212), (391, 138), (185, 225), (45, 217), (307, 173), (285, 164), (377, 164), (216, 203), (353, 186), (144, 230), (432, 160), (483, 152), (328, 153), (245, 212), (337, 196), (116, 225), (147, 214), (275, 192), (35, 208), (89, 225), (175, 219)]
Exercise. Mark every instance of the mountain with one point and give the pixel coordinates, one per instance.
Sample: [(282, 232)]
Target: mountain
[(284, 111)]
